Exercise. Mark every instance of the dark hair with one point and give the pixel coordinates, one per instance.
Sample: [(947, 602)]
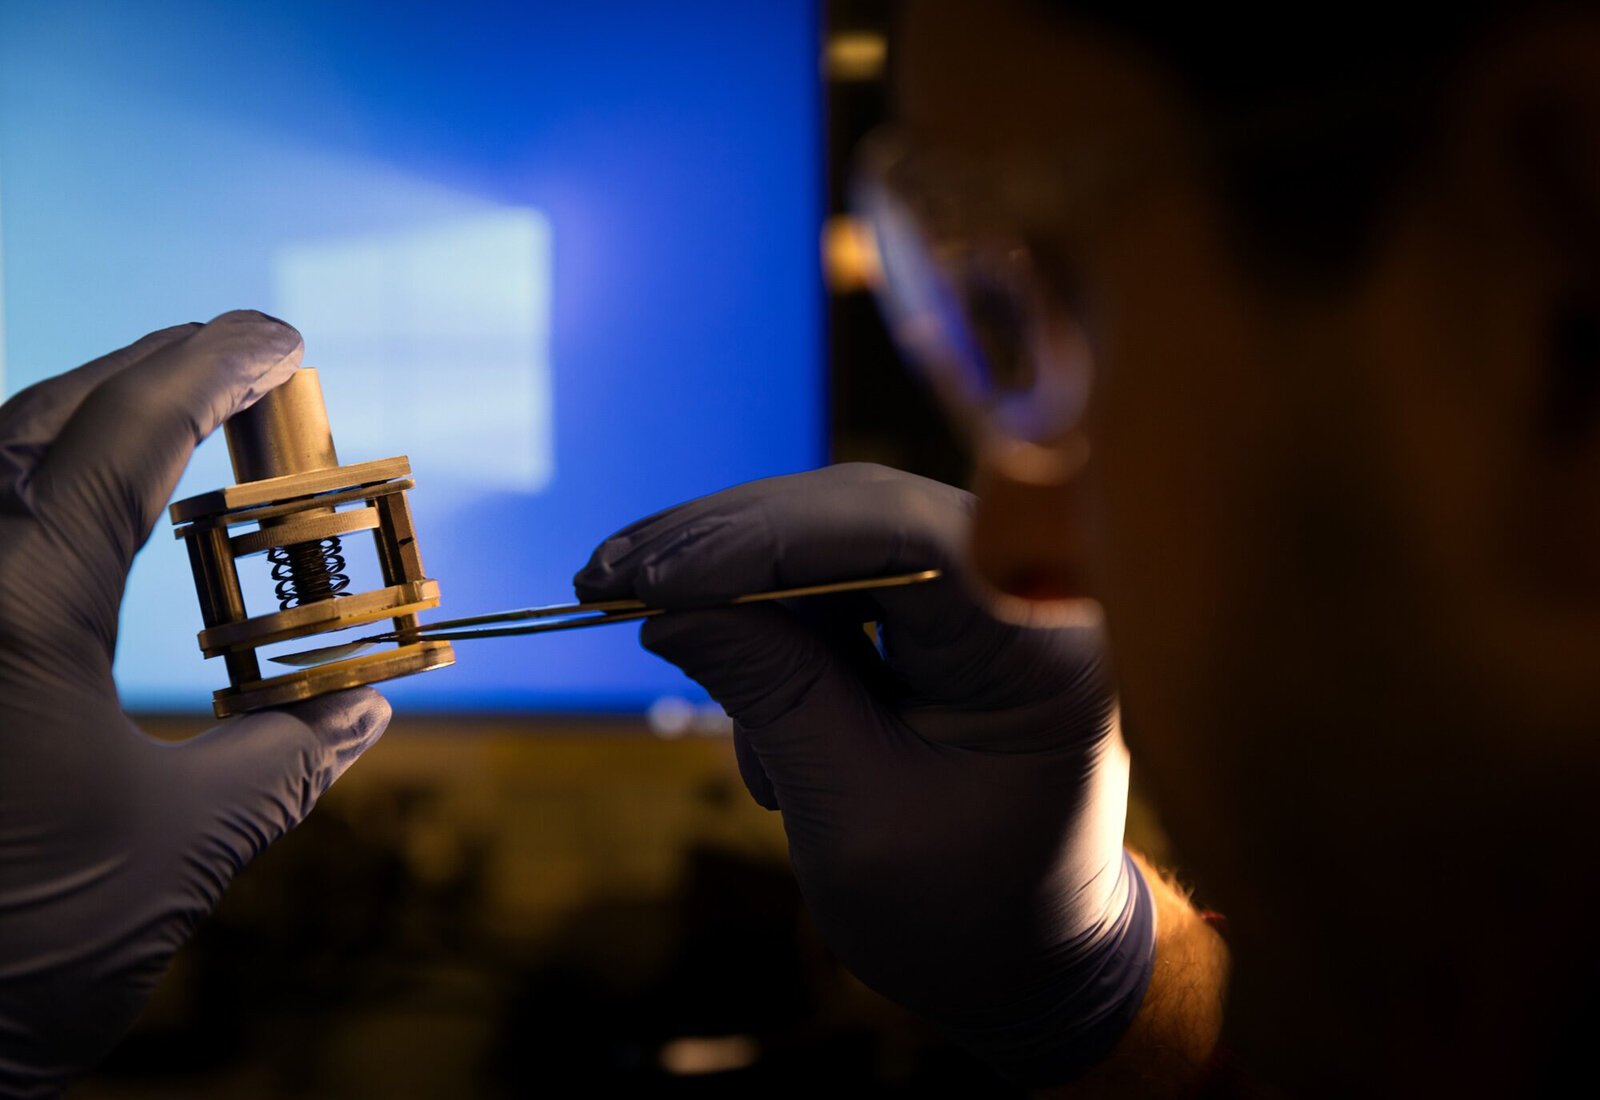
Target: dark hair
[(1332, 106)]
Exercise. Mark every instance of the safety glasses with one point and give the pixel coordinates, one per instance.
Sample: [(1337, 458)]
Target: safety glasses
[(965, 301)]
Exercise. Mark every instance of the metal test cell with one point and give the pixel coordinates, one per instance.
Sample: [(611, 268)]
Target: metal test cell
[(299, 505)]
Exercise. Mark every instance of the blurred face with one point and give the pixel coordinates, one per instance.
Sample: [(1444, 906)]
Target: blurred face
[(1326, 529), (1167, 525)]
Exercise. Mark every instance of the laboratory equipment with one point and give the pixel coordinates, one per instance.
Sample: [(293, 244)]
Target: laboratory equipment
[(297, 505), (574, 616)]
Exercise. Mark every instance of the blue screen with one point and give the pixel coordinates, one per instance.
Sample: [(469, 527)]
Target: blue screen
[(561, 255)]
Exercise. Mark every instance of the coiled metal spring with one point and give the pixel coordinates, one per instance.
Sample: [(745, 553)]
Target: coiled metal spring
[(306, 572)]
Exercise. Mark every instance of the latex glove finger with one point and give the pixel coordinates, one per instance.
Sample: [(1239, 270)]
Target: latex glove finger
[(740, 668), (838, 523), (119, 457), (849, 646), (249, 781), (30, 421), (811, 736), (754, 775), (763, 666), (841, 523), (178, 821)]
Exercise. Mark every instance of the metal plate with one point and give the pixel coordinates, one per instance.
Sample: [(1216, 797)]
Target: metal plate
[(311, 528), (273, 511), (278, 490), (325, 679), (321, 617)]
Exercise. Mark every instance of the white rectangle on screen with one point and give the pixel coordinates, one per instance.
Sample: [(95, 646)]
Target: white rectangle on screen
[(441, 334)]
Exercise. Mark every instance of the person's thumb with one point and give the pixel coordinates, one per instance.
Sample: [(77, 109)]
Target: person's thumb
[(253, 779)]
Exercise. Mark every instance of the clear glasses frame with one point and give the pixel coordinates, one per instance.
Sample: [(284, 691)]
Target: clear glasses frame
[(965, 300)]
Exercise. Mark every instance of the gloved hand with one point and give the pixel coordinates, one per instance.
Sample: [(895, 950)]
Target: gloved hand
[(113, 846), (954, 802)]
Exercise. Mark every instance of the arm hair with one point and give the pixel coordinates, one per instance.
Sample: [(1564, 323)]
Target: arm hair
[(1168, 1048)]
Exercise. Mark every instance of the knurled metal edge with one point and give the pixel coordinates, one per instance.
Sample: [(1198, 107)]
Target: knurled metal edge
[(324, 679)]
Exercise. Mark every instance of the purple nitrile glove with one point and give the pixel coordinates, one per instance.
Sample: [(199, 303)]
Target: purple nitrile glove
[(113, 846), (954, 796)]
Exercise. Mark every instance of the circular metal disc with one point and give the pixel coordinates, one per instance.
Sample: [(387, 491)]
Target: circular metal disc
[(324, 679)]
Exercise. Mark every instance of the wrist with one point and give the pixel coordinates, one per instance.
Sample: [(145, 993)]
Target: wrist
[(1080, 1001), (1171, 1048)]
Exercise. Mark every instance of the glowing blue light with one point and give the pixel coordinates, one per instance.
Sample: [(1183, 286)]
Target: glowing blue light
[(563, 256)]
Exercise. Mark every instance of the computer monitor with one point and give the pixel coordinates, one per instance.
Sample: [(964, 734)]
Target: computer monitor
[(564, 256)]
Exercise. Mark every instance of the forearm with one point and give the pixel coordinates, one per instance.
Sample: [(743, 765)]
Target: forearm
[(1168, 1047)]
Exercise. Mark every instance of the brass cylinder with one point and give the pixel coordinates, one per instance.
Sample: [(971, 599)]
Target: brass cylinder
[(286, 432)]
